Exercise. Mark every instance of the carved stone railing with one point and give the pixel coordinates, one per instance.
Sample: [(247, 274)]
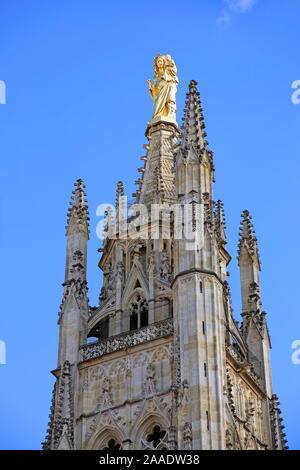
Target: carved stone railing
[(248, 368), (127, 340), (236, 355)]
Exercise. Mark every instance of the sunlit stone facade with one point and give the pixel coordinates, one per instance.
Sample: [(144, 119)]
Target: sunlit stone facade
[(160, 363)]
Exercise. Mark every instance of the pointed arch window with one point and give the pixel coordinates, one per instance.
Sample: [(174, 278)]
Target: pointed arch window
[(133, 320), (156, 436), (144, 314), (155, 439), (112, 446), (138, 313)]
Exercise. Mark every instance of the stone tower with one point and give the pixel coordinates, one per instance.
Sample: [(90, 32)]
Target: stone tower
[(161, 363)]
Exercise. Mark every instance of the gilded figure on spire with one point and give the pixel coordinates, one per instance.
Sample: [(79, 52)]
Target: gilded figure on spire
[(163, 89)]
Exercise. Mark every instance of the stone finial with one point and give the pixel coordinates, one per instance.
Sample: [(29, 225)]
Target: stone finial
[(77, 220), (248, 239), (220, 222), (119, 193), (193, 134), (121, 208)]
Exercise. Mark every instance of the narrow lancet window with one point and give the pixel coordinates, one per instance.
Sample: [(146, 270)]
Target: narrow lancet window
[(138, 313)]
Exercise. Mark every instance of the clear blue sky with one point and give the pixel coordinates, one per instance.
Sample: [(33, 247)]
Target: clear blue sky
[(77, 106)]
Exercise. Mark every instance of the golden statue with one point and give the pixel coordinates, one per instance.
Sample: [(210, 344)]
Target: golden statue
[(163, 89)]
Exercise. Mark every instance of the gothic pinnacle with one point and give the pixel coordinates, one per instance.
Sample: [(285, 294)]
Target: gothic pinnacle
[(193, 133), (119, 193), (247, 238), (220, 222), (121, 210), (77, 217)]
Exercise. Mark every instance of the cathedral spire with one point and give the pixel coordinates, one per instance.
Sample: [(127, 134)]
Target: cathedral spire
[(248, 240), (220, 221), (249, 263), (74, 306), (254, 326), (77, 230), (194, 166), (78, 212), (193, 133)]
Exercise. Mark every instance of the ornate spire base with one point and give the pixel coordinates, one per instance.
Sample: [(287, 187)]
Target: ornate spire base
[(166, 119), (162, 124), (157, 182)]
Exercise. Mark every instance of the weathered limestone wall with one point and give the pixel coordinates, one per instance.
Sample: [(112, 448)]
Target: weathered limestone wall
[(202, 356), (121, 393)]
